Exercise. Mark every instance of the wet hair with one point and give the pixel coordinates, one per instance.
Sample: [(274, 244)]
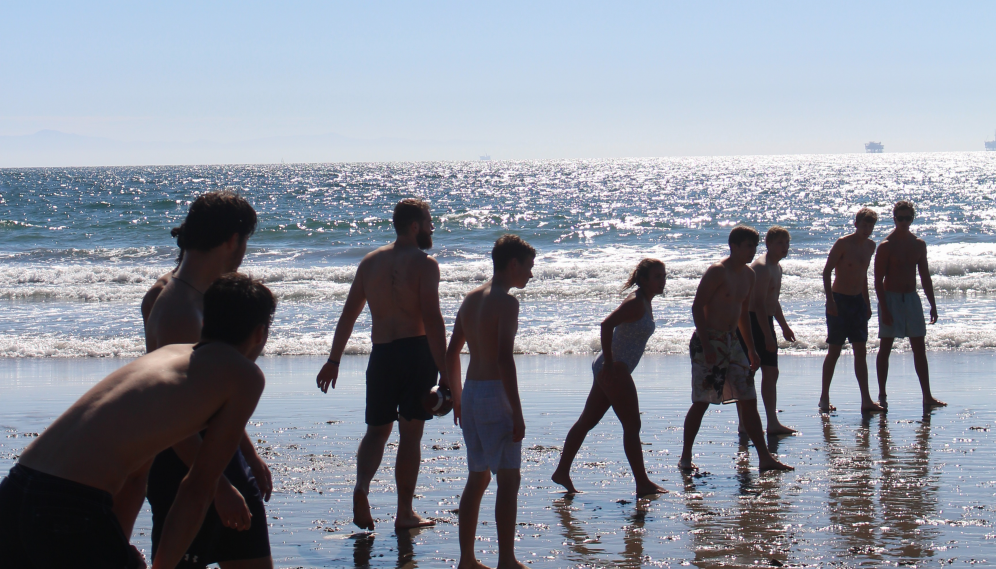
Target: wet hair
[(234, 305), (901, 205), (742, 233), (509, 247), (212, 219), (408, 211), (776, 232), (865, 213), (641, 272)]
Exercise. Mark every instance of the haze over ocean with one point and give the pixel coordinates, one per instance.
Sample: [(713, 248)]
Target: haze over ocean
[(80, 246)]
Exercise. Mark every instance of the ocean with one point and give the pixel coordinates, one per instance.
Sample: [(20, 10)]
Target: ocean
[(80, 246)]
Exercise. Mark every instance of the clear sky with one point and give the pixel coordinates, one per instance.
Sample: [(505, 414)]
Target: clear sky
[(245, 81)]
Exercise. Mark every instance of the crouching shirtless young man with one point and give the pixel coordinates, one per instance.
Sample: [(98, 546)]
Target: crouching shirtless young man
[(721, 372), (57, 503)]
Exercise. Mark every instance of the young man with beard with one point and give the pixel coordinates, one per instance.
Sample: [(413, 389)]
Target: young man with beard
[(58, 505), (900, 313), (401, 284), (213, 238), (849, 306)]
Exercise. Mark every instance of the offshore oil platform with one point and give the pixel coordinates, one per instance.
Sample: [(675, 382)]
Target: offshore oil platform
[(874, 147), (991, 144)]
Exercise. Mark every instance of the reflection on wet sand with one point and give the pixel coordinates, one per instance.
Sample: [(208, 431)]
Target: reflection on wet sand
[(588, 551), (753, 530), (876, 511)]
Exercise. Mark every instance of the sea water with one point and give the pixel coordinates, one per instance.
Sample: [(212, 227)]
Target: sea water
[(80, 246)]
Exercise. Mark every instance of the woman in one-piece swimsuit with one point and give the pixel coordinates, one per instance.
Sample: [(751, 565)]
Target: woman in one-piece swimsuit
[(624, 338)]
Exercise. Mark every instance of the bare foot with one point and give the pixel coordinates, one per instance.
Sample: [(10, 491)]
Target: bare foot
[(882, 402), (871, 407), (780, 429), (565, 481), (928, 403), (826, 407), (511, 565), (472, 564), (412, 521), (361, 510), (773, 464), (649, 489), (687, 465)]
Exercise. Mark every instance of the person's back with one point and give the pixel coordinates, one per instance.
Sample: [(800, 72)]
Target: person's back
[(175, 317), (391, 278), (151, 295), (481, 313)]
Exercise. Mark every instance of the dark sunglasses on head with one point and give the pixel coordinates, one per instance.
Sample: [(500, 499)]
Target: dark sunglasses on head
[(904, 218)]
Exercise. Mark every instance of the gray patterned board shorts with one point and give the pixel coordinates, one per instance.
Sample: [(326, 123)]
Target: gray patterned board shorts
[(729, 379)]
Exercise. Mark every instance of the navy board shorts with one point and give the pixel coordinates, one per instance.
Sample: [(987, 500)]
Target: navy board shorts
[(50, 522), (214, 542), (399, 373), (851, 321), (767, 358)]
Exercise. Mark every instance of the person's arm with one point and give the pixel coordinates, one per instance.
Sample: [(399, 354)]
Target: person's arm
[(928, 285), (355, 301), (453, 371), (508, 325), (744, 324), (224, 431), (231, 505), (630, 310), (129, 499), (432, 316), (760, 292), (881, 266), (706, 290), (260, 471), (868, 303), (832, 259)]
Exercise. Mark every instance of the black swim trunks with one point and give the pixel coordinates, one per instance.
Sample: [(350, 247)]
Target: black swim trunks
[(50, 522), (767, 358), (214, 542), (398, 375), (851, 322)]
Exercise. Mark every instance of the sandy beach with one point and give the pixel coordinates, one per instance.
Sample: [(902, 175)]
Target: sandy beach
[(901, 488)]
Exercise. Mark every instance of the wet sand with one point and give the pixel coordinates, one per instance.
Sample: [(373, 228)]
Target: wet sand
[(898, 489)]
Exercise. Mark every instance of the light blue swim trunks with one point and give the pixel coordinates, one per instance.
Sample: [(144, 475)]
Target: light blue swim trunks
[(487, 427), (907, 316)]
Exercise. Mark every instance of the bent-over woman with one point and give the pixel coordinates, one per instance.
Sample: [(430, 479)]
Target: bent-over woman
[(624, 338)]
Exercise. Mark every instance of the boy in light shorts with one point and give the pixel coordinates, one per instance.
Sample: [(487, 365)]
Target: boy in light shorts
[(488, 406)]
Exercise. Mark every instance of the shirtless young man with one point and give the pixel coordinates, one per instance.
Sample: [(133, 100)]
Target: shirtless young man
[(720, 370), (765, 309), (57, 505), (849, 306), (900, 314), (488, 407), (213, 237), (401, 284)]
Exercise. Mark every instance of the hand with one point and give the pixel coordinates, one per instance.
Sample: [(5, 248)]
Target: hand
[(831, 307), (231, 507), (518, 427), (933, 314), (709, 351), (886, 315), (328, 375), (788, 334), (264, 480), (755, 360), (457, 414)]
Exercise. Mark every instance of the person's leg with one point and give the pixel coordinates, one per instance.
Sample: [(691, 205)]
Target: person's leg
[(769, 383), (626, 404), (829, 365), (368, 459), (506, 508), (919, 347), (470, 509), (594, 409), (752, 422), (882, 368), (861, 372), (406, 472), (693, 420)]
